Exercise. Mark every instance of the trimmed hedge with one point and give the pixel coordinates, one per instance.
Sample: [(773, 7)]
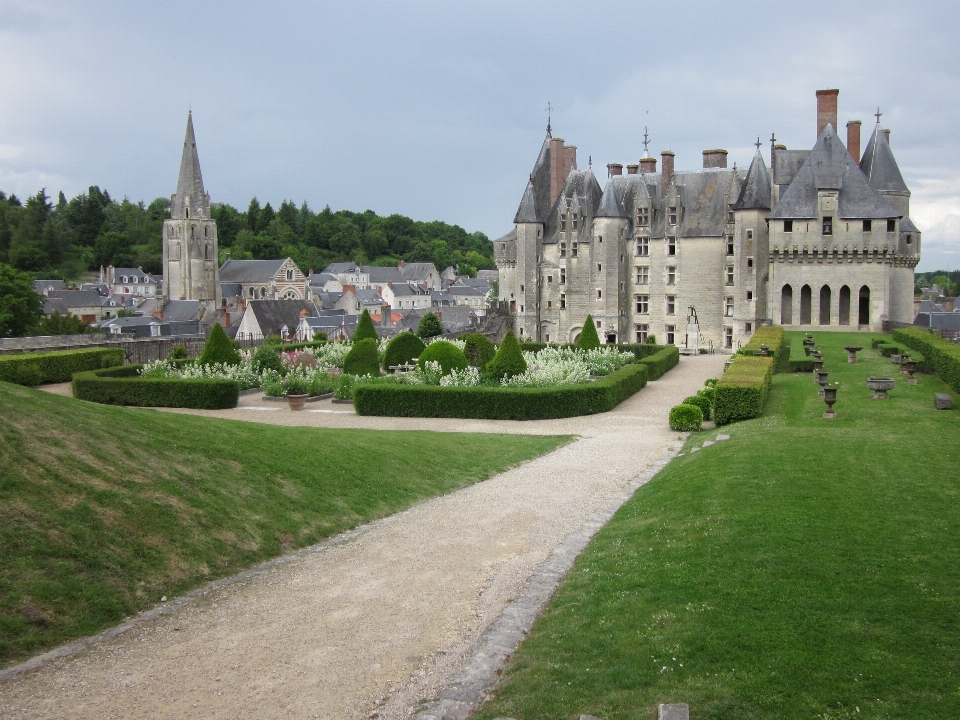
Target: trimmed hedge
[(479, 350), (497, 403), (685, 417), (56, 366), (941, 356), (402, 349), (219, 349), (509, 358), (800, 361), (588, 339), (365, 328), (124, 386), (887, 349), (742, 390), (772, 337), (659, 362), (320, 342), (447, 354), (362, 359), (702, 402)]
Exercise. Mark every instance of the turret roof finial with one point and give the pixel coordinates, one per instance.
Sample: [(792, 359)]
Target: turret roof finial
[(646, 143), (757, 143), (549, 111), (878, 114)]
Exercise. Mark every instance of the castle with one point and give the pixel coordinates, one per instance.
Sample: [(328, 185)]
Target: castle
[(822, 239)]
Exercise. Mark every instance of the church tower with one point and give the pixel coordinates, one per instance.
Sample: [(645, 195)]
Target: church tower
[(190, 268)]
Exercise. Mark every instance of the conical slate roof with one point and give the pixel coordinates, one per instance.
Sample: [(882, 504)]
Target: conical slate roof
[(610, 205), (879, 165), (537, 202), (527, 212), (755, 191), (830, 167), (190, 182)]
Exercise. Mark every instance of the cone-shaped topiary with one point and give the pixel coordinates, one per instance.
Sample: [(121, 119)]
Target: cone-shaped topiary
[(509, 359), (402, 349), (447, 354), (588, 339), (365, 328), (362, 359), (219, 349), (479, 350), (430, 326)]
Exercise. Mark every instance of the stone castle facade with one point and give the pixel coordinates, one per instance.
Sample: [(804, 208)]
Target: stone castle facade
[(822, 239)]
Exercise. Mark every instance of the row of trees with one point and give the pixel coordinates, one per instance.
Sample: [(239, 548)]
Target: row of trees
[(947, 281), (69, 237)]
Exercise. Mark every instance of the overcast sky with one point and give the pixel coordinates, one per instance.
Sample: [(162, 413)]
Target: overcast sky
[(436, 110)]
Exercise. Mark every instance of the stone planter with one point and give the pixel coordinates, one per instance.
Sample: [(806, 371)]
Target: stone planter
[(822, 381), (879, 386), (910, 367), (764, 351), (830, 397), (852, 351), (817, 367), (296, 402)]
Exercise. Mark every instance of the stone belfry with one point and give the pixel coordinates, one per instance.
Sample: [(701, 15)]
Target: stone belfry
[(190, 268)]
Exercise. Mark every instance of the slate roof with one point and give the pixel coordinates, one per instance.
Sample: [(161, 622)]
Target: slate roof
[(492, 275), (272, 315), (786, 164), (338, 268), (379, 274), (47, 285), (405, 290), (52, 305), (460, 290), (231, 289), (130, 273), (703, 202), (536, 203), (368, 296), (417, 272), (181, 310), (610, 205), (938, 321), (320, 279), (78, 298), (190, 181), (326, 300), (830, 167), (438, 298), (250, 271), (581, 185), (929, 306), (755, 191), (879, 165)]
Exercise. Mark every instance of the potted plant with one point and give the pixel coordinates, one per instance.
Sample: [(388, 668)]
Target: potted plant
[(295, 387)]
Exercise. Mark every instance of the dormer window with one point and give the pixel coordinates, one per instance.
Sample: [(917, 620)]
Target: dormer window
[(673, 216), (892, 225), (563, 249), (643, 217), (575, 224), (828, 225), (563, 224)]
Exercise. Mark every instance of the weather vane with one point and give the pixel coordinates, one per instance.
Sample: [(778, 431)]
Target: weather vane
[(757, 143), (646, 142)]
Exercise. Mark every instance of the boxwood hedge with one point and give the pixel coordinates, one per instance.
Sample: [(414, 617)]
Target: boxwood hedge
[(772, 337), (658, 362), (56, 366), (941, 356), (498, 403), (124, 386), (685, 417), (742, 390)]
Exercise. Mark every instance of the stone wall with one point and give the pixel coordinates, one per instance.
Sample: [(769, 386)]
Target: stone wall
[(138, 350)]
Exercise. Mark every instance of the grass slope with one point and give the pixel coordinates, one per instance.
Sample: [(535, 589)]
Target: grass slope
[(103, 510), (805, 568)]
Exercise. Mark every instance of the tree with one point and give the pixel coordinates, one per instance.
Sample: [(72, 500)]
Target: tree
[(365, 328), (21, 307), (509, 358), (57, 324), (588, 339), (112, 248), (430, 326), (218, 348)]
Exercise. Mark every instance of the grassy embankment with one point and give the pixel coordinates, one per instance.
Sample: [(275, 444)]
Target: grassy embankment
[(103, 510), (805, 568)]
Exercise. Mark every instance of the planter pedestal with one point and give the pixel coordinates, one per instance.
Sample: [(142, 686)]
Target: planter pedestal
[(852, 351), (879, 386), (830, 397), (296, 402)]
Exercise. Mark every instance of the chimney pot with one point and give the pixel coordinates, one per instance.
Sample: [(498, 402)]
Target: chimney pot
[(666, 175), (853, 140), (632, 169), (714, 158), (826, 110), (614, 169), (886, 134), (648, 165)]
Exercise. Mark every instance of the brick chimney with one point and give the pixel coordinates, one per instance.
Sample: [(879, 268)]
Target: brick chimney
[(402, 264), (570, 158), (648, 165), (714, 158), (158, 314), (853, 140), (614, 169), (886, 134), (666, 176), (632, 169), (557, 174), (826, 109)]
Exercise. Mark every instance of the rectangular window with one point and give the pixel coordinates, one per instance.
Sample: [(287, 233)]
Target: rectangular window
[(521, 329), (891, 225), (729, 274), (671, 275), (599, 294), (749, 234), (643, 247), (575, 221), (749, 294), (671, 246), (599, 267), (563, 249), (643, 217), (549, 304), (867, 226), (728, 307), (642, 304), (642, 331), (828, 225), (673, 215), (748, 327), (549, 278), (670, 331), (749, 262), (643, 275), (521, 308), (729, 245), (788, 226), (728, 337), (671, 304), (563, 225), (573, 250), (521, 288), (563, 276), (730, 216), (563, 302)]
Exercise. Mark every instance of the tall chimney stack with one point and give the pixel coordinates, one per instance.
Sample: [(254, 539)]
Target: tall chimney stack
[(666, 174), (826, 109), (632, 169), (648, 165), (558, 176), (714, 158), (853, 140), (614, 169), (886, 134)]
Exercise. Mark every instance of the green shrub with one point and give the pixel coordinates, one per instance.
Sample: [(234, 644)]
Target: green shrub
[(56, 366), (771, 336), (267, 358), (742, 391), (588, 339), (499, 403), (321, 384), (344, 388), (711, 382), (685, 417), (320, 339), (124, 386), (709, 392), (402, 349), (365, 328), (509, 359), (659, 362), (702, 402), (430, 326), (888, 349), (940, 356), (651, 339), (878, 341), (479, 350), (362, 359), (219, 348), (179, 352), (447, 354)]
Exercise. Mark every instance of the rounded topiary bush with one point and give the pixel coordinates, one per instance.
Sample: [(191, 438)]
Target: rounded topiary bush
[(365, 328), (588, 340), (430, 326), (362, 359), (479, 350), (447, 354), (219, 349), (402, 349), (267, 358), (702, 402), (685, 418), (509, 359)]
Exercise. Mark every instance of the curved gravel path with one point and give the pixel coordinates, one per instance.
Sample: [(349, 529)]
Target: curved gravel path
[(374, 623)]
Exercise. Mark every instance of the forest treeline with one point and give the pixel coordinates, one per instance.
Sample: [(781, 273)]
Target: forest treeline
[(66, 238)]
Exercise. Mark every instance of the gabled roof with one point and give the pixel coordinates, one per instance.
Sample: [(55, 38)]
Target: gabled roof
[(180, 310), (417, 272), (879, 165), (250, 271), (272, 315), (830, 167), (786, 164), (582, 186), (406, 289), (378, 274), (610, 205), (190, 181), (78, 298), (327, 300), (342, 267), (703, 202), (755, 191), (45, 285)]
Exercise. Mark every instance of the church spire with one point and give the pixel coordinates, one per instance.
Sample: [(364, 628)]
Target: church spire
[(190, 199)]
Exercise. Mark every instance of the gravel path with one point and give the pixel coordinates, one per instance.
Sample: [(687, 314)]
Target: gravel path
[(380, 620)]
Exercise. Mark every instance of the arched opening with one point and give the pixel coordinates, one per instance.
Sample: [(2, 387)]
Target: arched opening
[(611, 338), (806, 300), (786, 305), (574, 334), (825, 299), (845, 305), (863, 316), (263, 293)]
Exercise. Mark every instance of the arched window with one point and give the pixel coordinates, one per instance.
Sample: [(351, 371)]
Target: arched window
[(845, 305), (263, 293), (251, 292), (806, 298), (786, 305), (863, 316), (825, 299)]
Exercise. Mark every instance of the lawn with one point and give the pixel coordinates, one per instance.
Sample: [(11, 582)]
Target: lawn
[(103, 510), (804, 568)]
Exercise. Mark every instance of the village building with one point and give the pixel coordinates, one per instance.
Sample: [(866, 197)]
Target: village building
[(129, 281), (266, 318), (262, 280)]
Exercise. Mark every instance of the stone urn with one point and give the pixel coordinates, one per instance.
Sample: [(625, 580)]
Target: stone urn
[(817, 366), (910, 367), (830, 397), (895, 359), (852, 351), (297, 402), (904, 359), (764, 351), (822, 381), (879, 387)]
